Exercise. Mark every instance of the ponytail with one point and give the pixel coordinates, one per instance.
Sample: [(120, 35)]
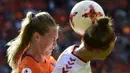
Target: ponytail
[(19, 45), (41, 22)]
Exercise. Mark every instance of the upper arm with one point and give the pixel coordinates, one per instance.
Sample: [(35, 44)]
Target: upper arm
[(52, 64), (28, 69), (57, 70)]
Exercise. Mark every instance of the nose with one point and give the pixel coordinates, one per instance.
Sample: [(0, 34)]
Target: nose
[(54, 45)]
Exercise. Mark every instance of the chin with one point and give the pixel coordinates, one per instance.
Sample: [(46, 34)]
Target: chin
[(99, 58), (49, 54), (46, 54), (102, 58)]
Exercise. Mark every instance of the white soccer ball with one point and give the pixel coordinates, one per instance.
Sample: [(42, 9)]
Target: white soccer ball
[(84, 14)]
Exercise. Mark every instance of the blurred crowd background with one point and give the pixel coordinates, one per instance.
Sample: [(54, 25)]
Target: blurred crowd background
[(13, 11)]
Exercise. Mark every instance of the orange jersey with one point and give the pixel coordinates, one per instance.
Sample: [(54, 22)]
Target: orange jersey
[(30, 65)]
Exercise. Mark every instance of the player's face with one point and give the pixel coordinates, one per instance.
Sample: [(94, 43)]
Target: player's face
[(49, 41), (104, 53)]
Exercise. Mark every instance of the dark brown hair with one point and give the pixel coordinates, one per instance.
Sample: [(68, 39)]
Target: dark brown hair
[(100, 34)]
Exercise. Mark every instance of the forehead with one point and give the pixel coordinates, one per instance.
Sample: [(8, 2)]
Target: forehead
[(53, 32)]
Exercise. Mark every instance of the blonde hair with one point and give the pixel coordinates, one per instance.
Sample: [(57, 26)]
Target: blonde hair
[(41, 22)]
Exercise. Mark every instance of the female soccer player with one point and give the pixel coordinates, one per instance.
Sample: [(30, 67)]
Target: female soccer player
[(97, 43), (30, 51)]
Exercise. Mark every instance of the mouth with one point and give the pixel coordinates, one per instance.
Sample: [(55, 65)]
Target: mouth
[(50, 51)]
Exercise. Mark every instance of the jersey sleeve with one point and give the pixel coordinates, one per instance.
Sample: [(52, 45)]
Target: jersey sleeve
[(57, 70), (29, 68), (52, 64), (64, 64), (60, 66), (28, 65)]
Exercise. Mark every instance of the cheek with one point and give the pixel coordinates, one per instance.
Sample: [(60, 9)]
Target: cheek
[(43, 45), (47, 44), (106, 53)]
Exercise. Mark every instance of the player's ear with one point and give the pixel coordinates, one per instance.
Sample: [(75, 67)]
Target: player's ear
[(36, 35)]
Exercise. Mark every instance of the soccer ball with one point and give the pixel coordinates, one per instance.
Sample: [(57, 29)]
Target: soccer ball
[(84, 14)]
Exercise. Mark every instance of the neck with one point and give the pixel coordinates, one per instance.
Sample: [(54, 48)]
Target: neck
[(34, 52), (83, 53)]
